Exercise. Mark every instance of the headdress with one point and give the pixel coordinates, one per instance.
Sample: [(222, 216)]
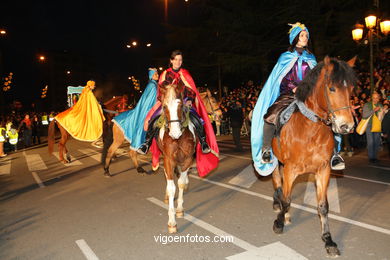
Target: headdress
[(151, 72), (296, 29)]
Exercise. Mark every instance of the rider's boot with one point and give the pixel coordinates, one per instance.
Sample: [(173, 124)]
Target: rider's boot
[(268, 135), (337, 162), (150, 134), (199, 130)]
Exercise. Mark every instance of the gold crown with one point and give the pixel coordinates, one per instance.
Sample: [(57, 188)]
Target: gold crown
[(297, 24)]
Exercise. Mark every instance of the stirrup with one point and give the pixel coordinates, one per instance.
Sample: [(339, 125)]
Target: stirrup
[(337, 162), (143, 149), (266, 156), (205, 147)]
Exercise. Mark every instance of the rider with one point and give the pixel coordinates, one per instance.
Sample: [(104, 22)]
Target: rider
[(130, 121), (277, 94), (175, 74), (84, 120)]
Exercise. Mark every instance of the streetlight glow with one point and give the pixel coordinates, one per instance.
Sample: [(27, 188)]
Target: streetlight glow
[(370, 21), (3, 32), (134, 43), (160, 68), (148, 45), (128, 46), (385, 27), (42, 58), (68, 72), (357, 33)]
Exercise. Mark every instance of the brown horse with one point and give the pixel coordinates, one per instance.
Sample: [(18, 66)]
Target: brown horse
[(62, 144), (211, 104), (305, 146), (118, 139), (177, 142)]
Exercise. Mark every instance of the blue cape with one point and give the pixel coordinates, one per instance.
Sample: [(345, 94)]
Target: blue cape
[(268, 95), (131, 122)]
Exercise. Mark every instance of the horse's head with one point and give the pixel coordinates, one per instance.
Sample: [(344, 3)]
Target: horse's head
[(211, 104), (331, 83), (172, 104)]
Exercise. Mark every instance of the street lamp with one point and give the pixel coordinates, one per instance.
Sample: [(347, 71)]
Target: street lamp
[(3, 32), (373, 31), (42, 58)]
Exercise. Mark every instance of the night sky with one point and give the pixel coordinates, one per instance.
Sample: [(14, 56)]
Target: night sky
[(89, 29)]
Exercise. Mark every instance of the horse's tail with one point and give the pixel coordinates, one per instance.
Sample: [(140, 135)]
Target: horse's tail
[(51, 136), (107, 139)]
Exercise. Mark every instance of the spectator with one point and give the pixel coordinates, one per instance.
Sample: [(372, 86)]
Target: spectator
[(236, 119)]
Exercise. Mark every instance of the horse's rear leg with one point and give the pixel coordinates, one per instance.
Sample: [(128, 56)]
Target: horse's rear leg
[(134, 157), (288, 180), (118, 139), (322, 181), (183, 184), (61, 146)]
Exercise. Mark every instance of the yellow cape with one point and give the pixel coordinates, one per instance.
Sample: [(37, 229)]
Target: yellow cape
[(83, 121)]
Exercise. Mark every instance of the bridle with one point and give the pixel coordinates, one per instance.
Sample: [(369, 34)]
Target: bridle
[(330, 112), (212, 108)]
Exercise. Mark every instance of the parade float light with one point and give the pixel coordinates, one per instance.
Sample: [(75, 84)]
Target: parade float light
[(373, 34)]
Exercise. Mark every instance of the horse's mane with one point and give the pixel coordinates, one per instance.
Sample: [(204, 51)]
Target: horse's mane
[(341, 72)]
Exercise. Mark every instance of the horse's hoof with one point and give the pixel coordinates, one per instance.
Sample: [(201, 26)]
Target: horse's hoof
[(180, 214), (333, 252), (107, 174), (278, 227), (276, 207), (155, 168), (140, 170), (172, 229), (287, 219), (68, 158), (186, 187)]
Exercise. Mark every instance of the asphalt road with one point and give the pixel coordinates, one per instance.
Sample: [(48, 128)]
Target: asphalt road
[(53, 211)]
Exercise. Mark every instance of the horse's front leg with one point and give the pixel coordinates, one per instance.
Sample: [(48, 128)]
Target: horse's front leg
[(322, 181), (170, 191), (283, 216), (183, 184)]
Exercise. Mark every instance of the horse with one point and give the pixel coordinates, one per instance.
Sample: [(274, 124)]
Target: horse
[(304, 146), (211, 104), (177, 142), (62, 150), (118, 139)]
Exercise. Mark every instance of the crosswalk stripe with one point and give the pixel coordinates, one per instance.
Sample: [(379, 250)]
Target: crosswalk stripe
[(91, 153), (245, 178), (73, 161), (5, 167), (34, 162)]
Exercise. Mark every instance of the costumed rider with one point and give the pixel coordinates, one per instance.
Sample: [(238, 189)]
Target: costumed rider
[(278, 92), (174, 75), (84, 120), (131, 121)]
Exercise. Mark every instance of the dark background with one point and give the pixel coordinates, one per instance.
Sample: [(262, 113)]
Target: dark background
[(242, 39)]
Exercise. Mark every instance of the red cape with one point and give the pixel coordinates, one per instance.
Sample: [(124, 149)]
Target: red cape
[(204, 162)]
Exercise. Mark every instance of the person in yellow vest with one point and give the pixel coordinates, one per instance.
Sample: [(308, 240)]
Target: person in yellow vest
[(12, 135), (83, 121), (44, 119), (2, 140)]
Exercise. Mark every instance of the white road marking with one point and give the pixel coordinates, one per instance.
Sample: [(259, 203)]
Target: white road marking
[(87, 251), (219, 232), (379, 167), (73, 161), (297, 206), (360, 179), (37, 179), (333, 194), (91, 153), (5, 167), (34, 162), (274, 251), (245, 178)]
